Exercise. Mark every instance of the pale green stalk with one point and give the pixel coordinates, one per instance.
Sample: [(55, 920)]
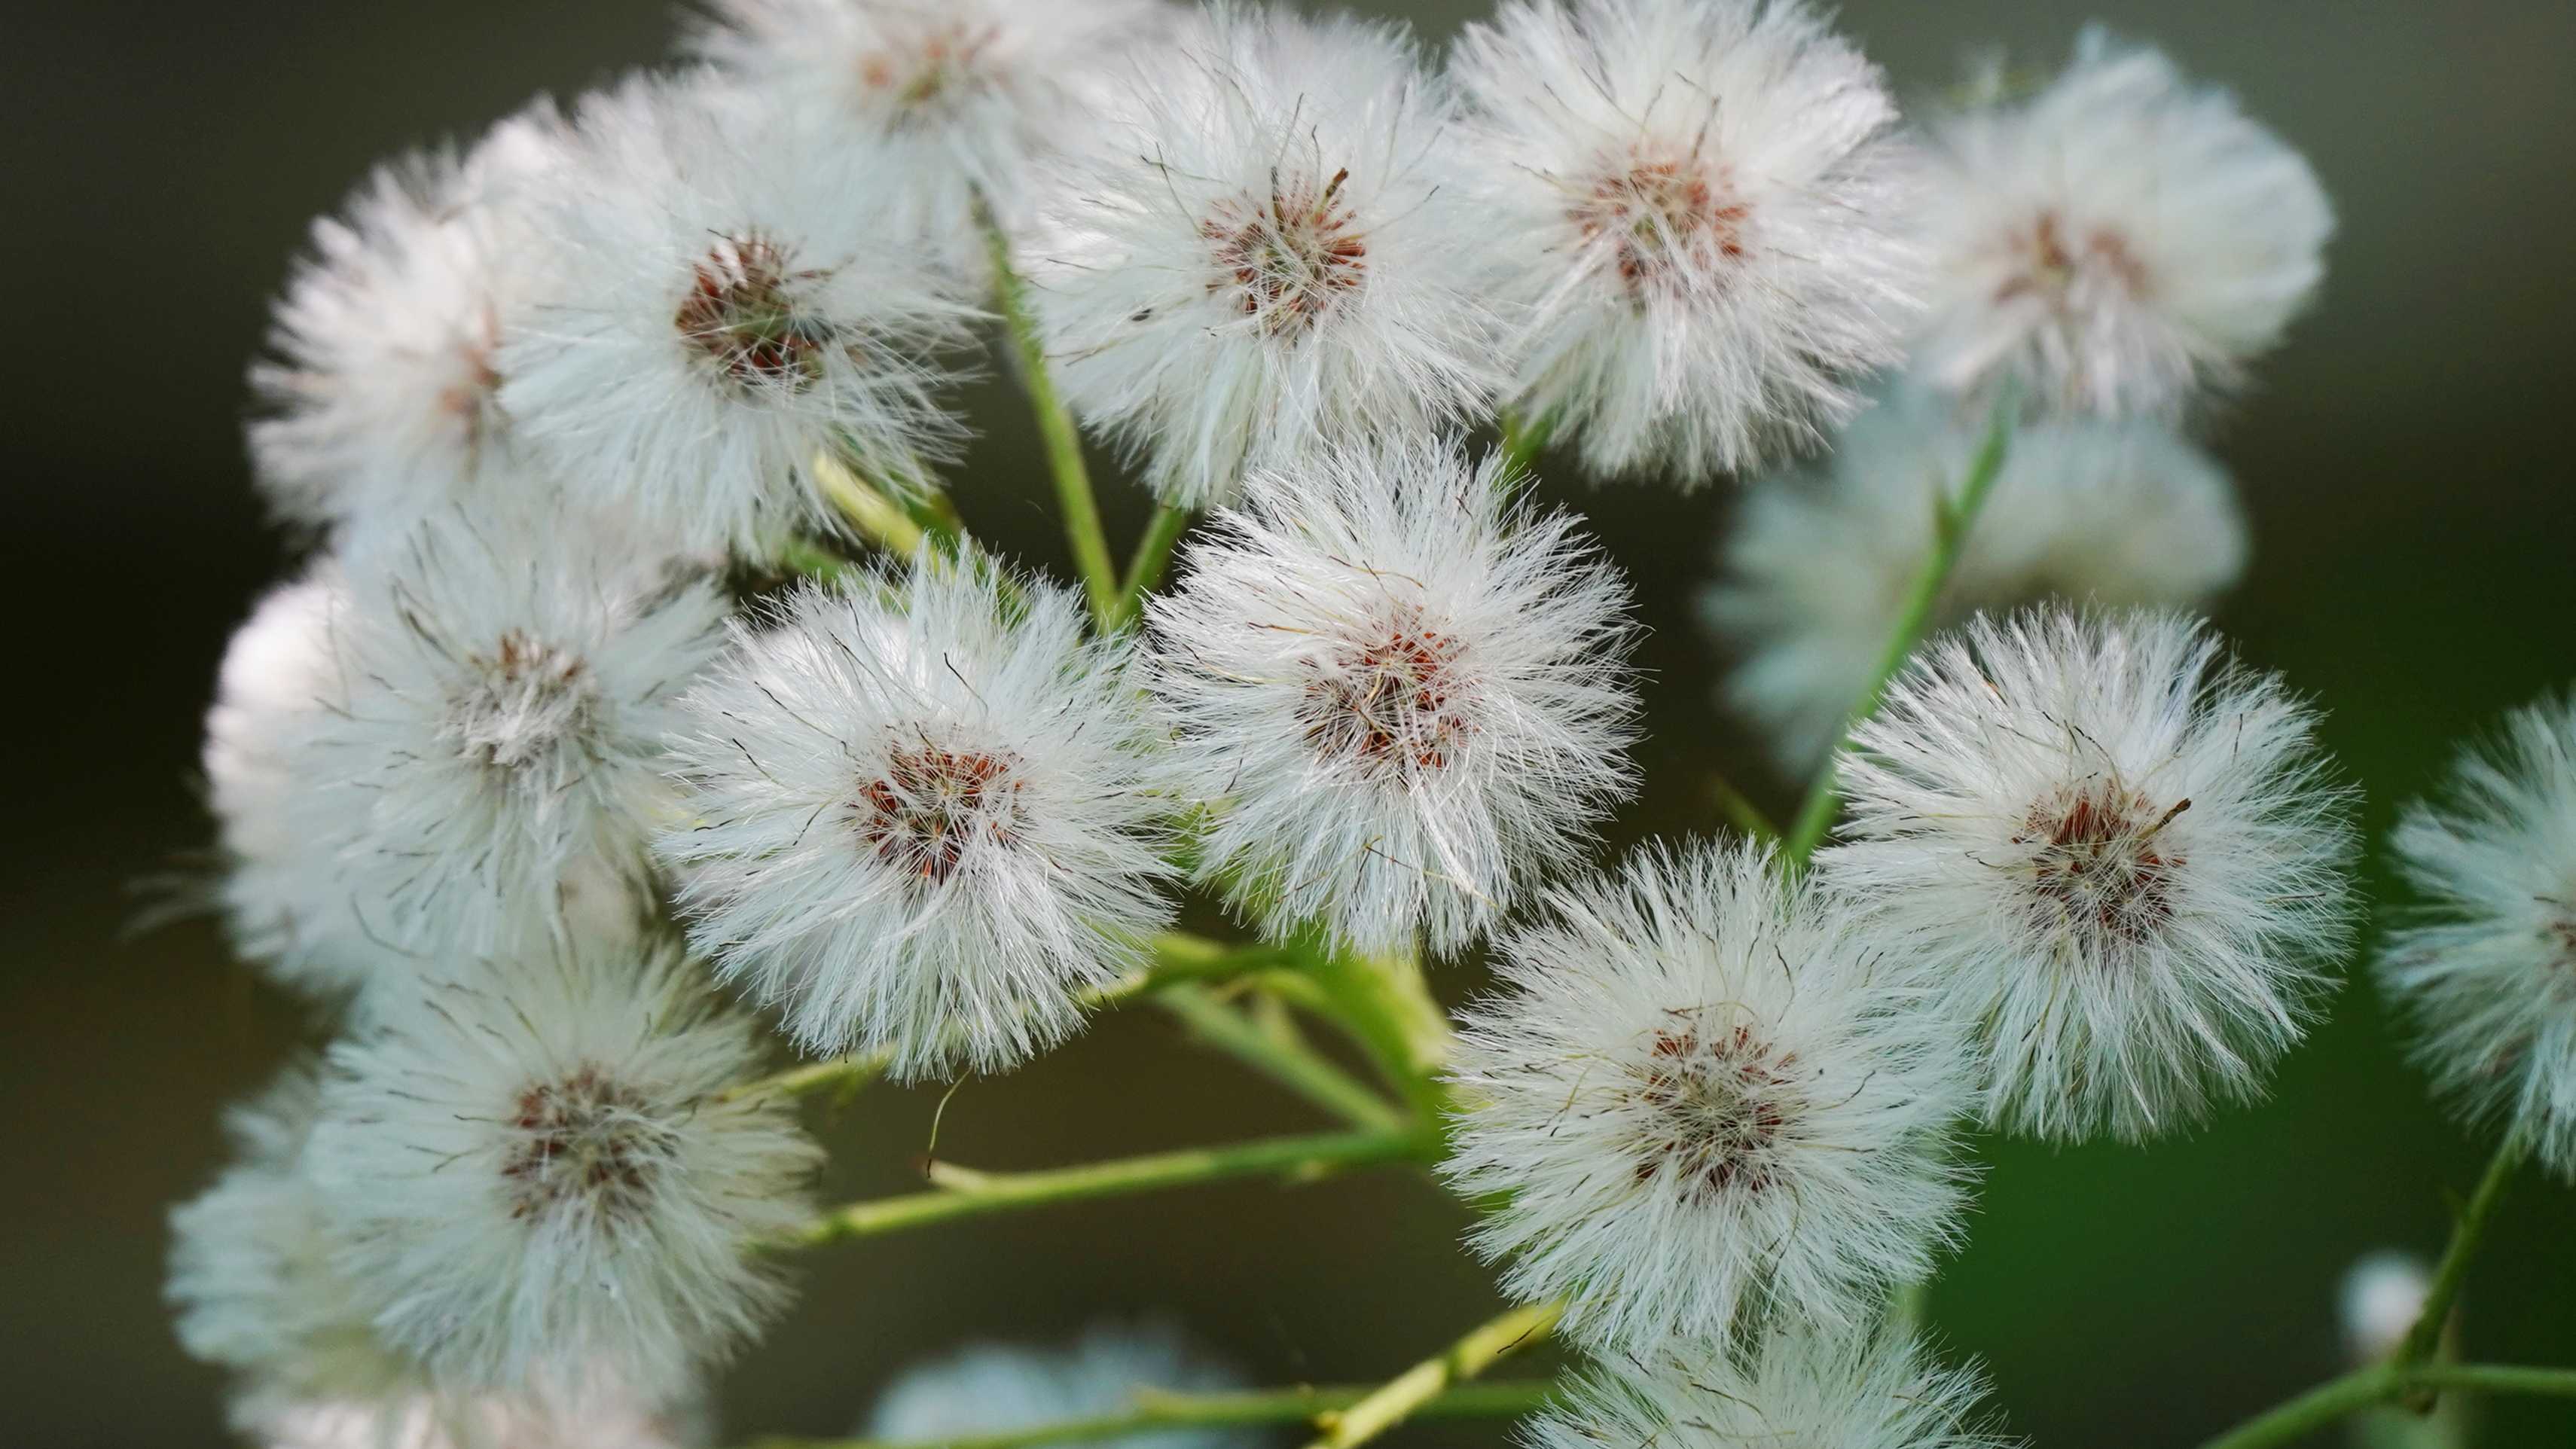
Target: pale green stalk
[(1063, 440), (1406, 1394), (1145, 569), (967, 1193), (1283, 1058), (2385, 1383), (2466, 1236), (1951, 520)]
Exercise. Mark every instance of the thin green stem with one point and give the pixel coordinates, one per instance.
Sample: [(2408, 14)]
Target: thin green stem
[(1172, 957), (1145, 569), (1383, 1002), (2466, 1236), (1524, 438), (967, 1193), (1155, 1409), (2383, 1383), (1740, 810), (1056, 430), (877, 518), (1404, 1395), (1282, 1058), (1952, 518)]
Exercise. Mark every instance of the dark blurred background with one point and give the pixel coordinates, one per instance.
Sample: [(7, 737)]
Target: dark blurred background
[(2405, 460)]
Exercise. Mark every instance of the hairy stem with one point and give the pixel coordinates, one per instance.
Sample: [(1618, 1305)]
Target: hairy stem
[(1283, 1059), (1056, 430), (2453, 1272), (2385, 1383), (1951, 520), (967, 1193), (1156, 1409), (1145, 569), (1402, 1396)]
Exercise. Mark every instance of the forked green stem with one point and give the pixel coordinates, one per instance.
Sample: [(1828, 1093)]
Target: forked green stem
[(1406, 1394), (2385, 1383), (1153, 1409), (2466, 1236), (1056, 430), (1282, 1058), (1952, 518), (968, 1193), (1153, 553)]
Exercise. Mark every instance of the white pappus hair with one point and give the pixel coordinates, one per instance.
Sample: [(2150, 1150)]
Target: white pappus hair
[(1400, 696), (1264, 247), (1846, 1391), (378, 403), (1700, 213), (2484, 963), (723, 300), (530, 1169), (2111, 513), (1714, 1103), (2116, 243), (482, 767), (921, 816), (966, 97), (2119, 852)]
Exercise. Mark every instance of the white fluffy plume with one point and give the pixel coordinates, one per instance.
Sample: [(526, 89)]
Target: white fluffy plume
[(2120, 853), (1401, 697), (1715, 1104)]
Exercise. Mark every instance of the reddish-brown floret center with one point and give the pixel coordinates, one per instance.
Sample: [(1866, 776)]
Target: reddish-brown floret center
[(742, 312), (2101, 864), (585, 1138), (1661, 216), (2054, 263), (1391, 703), (522, 700), (1718, 1101), (933, 804), (941, 60), (1288, 257)]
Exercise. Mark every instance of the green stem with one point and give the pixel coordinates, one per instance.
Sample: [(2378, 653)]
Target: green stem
[(1951, 521), (1145, 570), (1056, 429), (1284, 1059), (2383, 1383), (1156, 1409), (1173, 957), (1524, 438), (1383, 1002), (2466, 1235), (875, 516), (968, 1193), (1404, 1395), (1740, 810)]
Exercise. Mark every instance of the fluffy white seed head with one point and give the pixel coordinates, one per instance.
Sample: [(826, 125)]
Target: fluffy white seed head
[(1715, 1105), (1816, 567), (432, 1420), (2485, 963), (528, 1169), (379, 400), (920, 816), (993, 1389), (723, 299), (2119, 852), (1400, 697), (1844, 1391), (965, 96), (464, 757), (1266, 248), (2117, 242), (251, 1277), (1698, 207)]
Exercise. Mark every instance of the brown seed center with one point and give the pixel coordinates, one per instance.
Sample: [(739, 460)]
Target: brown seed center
[(1391, 705), (584, 1138), (524, 698), (742, 312), (2101, 866), (1288, 257), (1662, 216), (939, 62), (1718, 1099), (2055, 266), (933, 804)]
